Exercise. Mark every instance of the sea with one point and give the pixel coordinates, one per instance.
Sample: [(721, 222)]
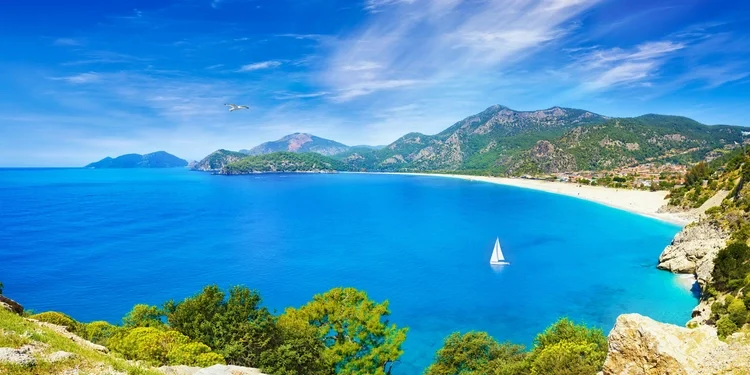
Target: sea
[(93, 243)]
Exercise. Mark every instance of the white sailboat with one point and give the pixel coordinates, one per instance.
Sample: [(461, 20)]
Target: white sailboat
[(497, 255)]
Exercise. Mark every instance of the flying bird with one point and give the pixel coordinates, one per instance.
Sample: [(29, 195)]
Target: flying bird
[(235, 107)]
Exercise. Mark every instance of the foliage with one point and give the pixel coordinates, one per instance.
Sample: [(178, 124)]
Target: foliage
[(301, 351), (1, 287), (100, 332), (697, 174), (725, 327), (737, 312), (569, 358), (284, 162), (584, 349), (236, 327), (59, 319), (731, 267), (160, 347), (144, 316), (357, 339), (476, 353)]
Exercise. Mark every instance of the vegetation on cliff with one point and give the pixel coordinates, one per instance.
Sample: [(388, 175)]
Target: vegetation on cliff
[(217, 160), (284, 162)]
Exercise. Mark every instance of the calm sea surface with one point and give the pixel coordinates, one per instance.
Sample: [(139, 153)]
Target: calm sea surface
[(92, 243)]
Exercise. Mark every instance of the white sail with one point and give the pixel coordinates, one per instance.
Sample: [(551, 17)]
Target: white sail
[(497, 254)]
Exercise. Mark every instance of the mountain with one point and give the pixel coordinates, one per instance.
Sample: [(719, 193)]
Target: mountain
[(504, 141), (284, 162), (299, 142), (217, 160), (159, 159)]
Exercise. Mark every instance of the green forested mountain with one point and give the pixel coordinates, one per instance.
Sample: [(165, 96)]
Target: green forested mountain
[(159, 159), (284, 162), (217, 160), (503, 141), (299, 142)]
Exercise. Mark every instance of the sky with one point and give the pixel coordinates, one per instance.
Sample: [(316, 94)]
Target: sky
[(81, 80)]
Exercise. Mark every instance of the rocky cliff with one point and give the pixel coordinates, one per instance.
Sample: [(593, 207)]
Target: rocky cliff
[(693, 250), (217, 160), (299, 142), (641, 346)]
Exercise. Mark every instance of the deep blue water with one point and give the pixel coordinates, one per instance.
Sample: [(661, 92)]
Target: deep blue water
[(92, 243)]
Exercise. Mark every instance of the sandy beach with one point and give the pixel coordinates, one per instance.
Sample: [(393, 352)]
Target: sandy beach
[(640, 202)]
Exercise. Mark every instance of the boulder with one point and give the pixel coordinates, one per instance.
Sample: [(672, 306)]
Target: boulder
[(10, 305), (60, 356), (22, 356), (641, 346), (693, 250)]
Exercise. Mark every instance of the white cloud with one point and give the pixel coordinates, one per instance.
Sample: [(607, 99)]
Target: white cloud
[(435, 40), (80, 78), (67, 42), (259, 66)]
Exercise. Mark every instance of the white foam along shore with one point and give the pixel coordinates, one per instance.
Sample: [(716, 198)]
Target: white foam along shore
[(641, 202)]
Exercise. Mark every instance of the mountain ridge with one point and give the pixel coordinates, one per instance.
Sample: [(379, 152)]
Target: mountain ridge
[(158, 159)]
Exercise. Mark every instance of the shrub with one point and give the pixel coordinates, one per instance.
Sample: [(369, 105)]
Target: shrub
[(1, 287), (100, 332), (718, 309), (159, 347), (59, 319), (737, 312), (237, 327), (731, 267), (725, 326), (144, 316), (300, 353), (568, 358), (477, 353)]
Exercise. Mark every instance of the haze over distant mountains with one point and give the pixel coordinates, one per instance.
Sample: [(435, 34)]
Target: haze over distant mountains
[(505, 141), (159, 159)]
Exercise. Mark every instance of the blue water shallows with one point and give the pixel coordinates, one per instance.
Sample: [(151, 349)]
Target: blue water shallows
[(92, 243)]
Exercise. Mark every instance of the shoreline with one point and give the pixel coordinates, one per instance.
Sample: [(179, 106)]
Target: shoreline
[(640, 202)]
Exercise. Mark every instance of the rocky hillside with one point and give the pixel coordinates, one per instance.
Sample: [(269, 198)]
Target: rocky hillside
[(299, 142), (283, 162), (217, 160), (159, 159), (503, 141)]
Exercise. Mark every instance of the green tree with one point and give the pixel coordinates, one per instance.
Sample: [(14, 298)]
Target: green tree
[(357, 339), (725, 326), (697, 174), (100, 332), (236, 327), (565, 339), (477, 353), (144, 316), (301, 351), (737, 312), (1, 287), (568, 358), (731, 266)]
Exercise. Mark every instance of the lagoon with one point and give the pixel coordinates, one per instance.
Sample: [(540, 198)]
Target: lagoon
[(92, 243)]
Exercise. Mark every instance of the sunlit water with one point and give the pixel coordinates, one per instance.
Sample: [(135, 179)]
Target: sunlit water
[(92, 243)]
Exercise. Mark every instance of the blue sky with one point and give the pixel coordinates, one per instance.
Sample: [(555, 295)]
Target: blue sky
[(81, 80)]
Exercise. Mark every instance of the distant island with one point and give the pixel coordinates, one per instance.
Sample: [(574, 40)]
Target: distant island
[(159, 159)]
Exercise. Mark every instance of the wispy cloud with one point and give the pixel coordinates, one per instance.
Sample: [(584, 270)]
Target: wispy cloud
[(433, 40), (260, 66), (67, 42), (292, 96), (80, 78)]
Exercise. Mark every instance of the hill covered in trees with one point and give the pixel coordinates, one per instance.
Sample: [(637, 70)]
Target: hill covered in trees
[(159, 159), (284, 162)]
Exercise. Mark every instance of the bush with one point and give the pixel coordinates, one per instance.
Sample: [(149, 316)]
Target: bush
[(731, 267), (236, 327), (159, 347), (100, 332), (737, 312), (477, 353), (583, 348), (1, 287), (568, 358), (59, 319), (300, 353), (725, 327), (144, 316)]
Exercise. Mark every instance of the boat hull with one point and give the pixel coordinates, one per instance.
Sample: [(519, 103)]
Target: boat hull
[(499, 263)]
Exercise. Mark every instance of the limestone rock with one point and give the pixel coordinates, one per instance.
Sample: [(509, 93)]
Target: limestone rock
[(693, 250), (60, 356), (701, 313), (10, 305), (213, 370), (641, 346), (21, 356)]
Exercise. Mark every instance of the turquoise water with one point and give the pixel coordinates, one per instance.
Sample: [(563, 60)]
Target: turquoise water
[(92, 243)]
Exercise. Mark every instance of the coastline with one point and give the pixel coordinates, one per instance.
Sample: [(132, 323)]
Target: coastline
[(640, 202)]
